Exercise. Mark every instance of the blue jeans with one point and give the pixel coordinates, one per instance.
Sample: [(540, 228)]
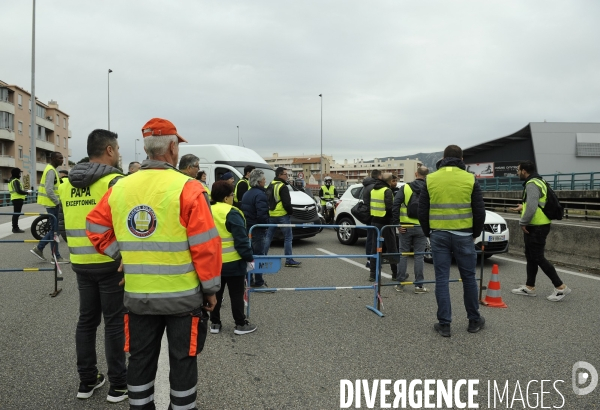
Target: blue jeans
[(258, 248), (416, 238), (50, 234), (100, 295), (287, 235), (444, 245)]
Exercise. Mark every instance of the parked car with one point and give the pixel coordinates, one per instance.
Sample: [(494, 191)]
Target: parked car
[(495, 229)]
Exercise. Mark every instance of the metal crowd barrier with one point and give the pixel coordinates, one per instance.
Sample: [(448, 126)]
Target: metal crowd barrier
[(55, 269), (271, 264)]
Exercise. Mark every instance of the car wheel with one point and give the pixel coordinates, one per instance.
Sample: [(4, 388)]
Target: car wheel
[(345, 234), (428, 258)]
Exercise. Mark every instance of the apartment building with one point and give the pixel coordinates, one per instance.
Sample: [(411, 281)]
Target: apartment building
[(51, 130), (306, 164), (358, 169)]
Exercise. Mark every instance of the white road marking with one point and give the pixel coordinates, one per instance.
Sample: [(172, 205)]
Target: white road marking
[(583, 275), (360, 265), (24, 223)]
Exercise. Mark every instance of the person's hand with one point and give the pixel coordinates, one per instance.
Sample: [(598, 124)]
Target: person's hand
[(249, 266), (524, 228), (210, 301), (519, 208), (401, 229), (120, 269), (29, 191)]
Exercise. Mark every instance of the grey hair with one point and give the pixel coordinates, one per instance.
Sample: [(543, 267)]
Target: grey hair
[(423, 171), (156, 145), (187, 161), (256, 176)]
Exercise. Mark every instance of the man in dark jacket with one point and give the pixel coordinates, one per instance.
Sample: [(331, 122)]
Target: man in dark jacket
[(242, 186), (17, 196), (381, 215), (410, 236), (452, 214), (256, 211), (368, 184), (98, 276)]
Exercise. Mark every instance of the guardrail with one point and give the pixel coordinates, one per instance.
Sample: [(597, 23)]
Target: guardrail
[(559, 182), (5, 198)]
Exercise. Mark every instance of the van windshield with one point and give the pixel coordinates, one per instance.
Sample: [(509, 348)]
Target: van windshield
[(269, 174)]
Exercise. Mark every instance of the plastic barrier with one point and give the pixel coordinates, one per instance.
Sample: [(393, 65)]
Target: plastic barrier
[(56, 268), (271, 264), (386, 260)]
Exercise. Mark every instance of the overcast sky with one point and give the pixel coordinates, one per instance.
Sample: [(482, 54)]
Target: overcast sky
[(397, 77)]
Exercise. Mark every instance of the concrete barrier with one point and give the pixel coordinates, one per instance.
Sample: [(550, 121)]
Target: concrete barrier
[(566, 243)]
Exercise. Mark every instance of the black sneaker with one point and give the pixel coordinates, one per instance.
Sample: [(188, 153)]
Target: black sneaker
[(372, 278), (18, 230), (292, 264), (442, 329), (476, 325), (117, 394), (86, 390), (368, 264)]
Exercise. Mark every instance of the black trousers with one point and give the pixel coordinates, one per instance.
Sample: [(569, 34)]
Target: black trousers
[(389, 246), (18, 206), (535, 242), (235, 284)]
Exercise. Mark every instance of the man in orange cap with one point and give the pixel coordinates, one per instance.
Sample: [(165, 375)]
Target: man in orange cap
[(162, 227)]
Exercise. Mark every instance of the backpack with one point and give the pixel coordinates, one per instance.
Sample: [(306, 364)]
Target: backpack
[(361, 212), (412, 208), (553, 210)]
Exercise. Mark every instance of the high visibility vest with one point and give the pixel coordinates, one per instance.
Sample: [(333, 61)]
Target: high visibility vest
[(206, 189), (220, 211), (450, 190), (279, 209), (76, 204), (404, 219), (13, 191), (539, 218), (158, 266), (328, 193), (377, 203), (42, 197), (235, 192)]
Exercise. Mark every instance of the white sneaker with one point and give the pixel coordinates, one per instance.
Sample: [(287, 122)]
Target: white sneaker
[(215, 328), (421, 289), (559, 294), (524, 291)]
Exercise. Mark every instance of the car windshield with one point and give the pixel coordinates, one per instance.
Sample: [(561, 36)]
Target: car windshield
[(269, 173)]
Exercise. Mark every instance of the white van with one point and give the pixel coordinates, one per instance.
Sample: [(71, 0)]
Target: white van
[(217, 159)]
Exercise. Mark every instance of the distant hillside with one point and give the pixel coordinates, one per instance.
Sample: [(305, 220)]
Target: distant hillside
[(428, 159)]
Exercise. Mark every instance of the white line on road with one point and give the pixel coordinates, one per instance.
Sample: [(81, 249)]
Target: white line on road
[(360, 265), (6, 228), (583, 275)]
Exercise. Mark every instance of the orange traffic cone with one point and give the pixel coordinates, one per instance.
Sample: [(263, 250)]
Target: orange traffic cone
[(492, 296)]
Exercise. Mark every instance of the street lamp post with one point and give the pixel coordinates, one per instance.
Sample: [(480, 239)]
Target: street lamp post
[(238, 127), (321, 162), (109, 71), (136, 141), (32, 128)]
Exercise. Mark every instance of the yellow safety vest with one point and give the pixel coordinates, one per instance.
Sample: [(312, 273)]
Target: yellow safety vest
[(328, 193), (76, 204), (220, 211), (13, 191), (279, 209), (377, 203), (404, 218), (450, 190), (42, 197), (235, 192), (159, 273), (539, 218)]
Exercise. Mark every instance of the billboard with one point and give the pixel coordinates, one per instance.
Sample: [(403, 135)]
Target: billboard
[(481, 170)]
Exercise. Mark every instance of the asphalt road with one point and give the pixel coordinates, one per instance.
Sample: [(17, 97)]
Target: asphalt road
[(307, 342)]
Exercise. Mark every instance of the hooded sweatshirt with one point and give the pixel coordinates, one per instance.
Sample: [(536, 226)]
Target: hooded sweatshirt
[(82, 176)]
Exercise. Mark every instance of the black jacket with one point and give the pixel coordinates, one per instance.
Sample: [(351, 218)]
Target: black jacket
[(368, 184), (242, 187), (255, 206), (477, 204), (389, 202), (284, 194), (417, 186), (82, 176)]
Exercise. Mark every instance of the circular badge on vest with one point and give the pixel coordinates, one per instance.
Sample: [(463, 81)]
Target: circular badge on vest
[(141, 221)]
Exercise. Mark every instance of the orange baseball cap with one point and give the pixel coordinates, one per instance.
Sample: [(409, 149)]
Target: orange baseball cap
[(158, 126)]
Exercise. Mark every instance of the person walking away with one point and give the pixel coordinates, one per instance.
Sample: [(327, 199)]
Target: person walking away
[(368, 184), (255, 207), (98, 275), (242, 186), (536, 227), (380, 207), (280, 209), (159, 221), (189, 165), (237, 257), (410, 237), (17, 196), (48, 197), (452, 214)]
